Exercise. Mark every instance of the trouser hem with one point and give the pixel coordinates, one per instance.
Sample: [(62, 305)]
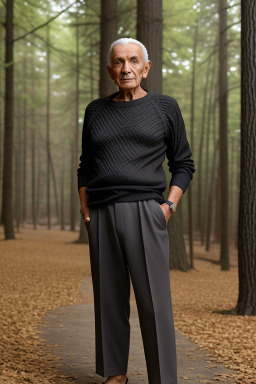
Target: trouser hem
[(111, 371)]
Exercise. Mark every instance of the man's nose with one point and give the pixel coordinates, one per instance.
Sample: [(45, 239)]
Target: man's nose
[(126, 68)]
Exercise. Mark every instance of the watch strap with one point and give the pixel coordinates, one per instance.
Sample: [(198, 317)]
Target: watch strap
[(172, 205)]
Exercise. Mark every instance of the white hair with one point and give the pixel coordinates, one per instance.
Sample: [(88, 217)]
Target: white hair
[(124, 41)]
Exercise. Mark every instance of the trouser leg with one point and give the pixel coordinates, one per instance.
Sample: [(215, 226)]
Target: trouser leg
[(111, 285), (146, 245), (136, 233)]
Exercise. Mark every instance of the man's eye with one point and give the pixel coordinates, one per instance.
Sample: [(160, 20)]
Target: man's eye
[(135, 61)]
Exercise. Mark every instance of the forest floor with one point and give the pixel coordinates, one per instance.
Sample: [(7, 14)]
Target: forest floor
[(42, 270)]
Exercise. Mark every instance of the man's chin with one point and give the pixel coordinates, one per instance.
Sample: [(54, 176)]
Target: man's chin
[(127, 85)]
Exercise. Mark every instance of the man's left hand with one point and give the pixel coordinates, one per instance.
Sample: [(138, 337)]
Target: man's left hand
[(167, 212)]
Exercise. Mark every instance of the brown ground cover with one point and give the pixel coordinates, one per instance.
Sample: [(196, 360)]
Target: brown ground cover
[(202, 299), (43, 270)]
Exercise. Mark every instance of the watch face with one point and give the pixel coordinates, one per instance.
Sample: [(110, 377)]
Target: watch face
[(173, 208)]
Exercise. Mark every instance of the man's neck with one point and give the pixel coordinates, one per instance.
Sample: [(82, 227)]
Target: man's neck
[(130, 94)]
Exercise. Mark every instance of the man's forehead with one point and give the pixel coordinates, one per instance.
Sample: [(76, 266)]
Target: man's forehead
[(130, 49)]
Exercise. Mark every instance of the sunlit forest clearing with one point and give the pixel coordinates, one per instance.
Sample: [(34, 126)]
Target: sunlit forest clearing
[(53, 63)]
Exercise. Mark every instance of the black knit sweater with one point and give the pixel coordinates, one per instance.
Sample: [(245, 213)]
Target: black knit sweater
[(124, 144)]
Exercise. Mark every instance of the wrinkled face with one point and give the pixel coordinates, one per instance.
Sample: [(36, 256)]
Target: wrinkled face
[(128, 66)]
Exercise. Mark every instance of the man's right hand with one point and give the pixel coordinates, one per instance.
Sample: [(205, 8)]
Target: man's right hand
[(85, 212)]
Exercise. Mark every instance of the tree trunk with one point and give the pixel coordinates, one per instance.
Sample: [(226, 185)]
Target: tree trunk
[(62, 186), (18, 169), (210, 184), (1, 125), (24, 169), (200, 212), (83, 236), (33, 149), (178, 254), (73, 184), (55, 188), (216, 202), (190, 192), (40, 186), (238, 175), (223, 129), (210, 191), (7, 208), (232, 176), (108, 34), (208, 222), (48, 135), (91, 69), (150, 33), (246, 304)]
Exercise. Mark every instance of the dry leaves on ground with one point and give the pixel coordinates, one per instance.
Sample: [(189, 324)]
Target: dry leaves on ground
[(43, 270), (39, 271), (198, 299)]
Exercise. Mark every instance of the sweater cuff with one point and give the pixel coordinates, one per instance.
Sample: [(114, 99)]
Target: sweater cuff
[(82, 181), (181, 180)]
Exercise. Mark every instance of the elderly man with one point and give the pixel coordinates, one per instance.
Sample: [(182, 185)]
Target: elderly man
[(121, 183)]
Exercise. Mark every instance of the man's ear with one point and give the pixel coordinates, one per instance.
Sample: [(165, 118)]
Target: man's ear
[(110, 71), (146, 69)]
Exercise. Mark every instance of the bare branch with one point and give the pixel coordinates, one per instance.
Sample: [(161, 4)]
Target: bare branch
[(231, 25), (46, 23)]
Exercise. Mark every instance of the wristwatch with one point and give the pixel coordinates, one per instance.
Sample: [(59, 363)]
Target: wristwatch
[(172, 206)]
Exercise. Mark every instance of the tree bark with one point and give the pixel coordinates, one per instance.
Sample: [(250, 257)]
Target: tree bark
[(54, 188), (83, 236), (62, 186), (223, 129), (201, 212), (178, 254), (24, 168), (74, 147), (91, 70), (33, 149), (246, 304), (7, 208), (48, 135), (190, 192), (209, 185), (1, 125), (108, 34), (150, 33), (213, 179), (18, 169)]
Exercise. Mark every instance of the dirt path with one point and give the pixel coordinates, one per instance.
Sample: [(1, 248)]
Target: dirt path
[(69, 330), (43, 270)]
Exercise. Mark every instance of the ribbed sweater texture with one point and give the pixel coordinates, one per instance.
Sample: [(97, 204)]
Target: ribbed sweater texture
[(124, 144)]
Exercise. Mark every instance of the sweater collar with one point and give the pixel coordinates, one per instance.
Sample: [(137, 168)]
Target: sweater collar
[(128, 103)]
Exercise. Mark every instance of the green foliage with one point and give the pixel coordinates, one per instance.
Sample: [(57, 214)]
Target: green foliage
[(83, 20)]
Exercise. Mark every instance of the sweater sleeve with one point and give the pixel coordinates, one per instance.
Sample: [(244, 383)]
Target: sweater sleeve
[(84, 170), (178, 150)]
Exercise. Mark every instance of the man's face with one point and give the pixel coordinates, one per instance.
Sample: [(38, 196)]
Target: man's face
[(128, 66)]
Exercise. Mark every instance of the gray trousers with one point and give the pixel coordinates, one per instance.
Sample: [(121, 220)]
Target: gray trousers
[(130, 239)]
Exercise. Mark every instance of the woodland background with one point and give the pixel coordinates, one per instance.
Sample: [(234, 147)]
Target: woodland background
[(53, 63)]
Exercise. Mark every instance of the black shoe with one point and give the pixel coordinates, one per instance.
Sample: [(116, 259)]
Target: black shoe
[(103, 382)]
